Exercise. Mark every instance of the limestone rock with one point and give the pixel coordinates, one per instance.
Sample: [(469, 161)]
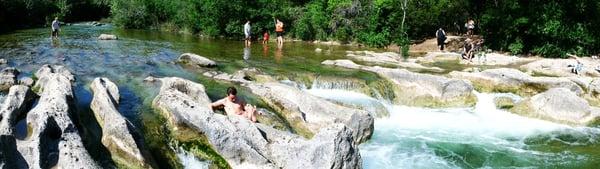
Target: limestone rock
[(54, 139), (27, 81), (248, 145), (504, 102), (14, 105), (3, 61), (392, 59), (419, 89), (8, 77), (196, 60), (559, 105), (514, 81), (118, 134), (107, 37)]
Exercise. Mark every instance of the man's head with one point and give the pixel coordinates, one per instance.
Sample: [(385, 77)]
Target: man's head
[(231, 93), (247, 20), (55, 18)]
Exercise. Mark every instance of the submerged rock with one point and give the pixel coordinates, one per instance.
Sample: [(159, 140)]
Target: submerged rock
[(8, 78), (27, 81), (196, 60), (514, 81), (248, 145), (559, 105), (417, 89), (118, 134), (107, 37), (54, 140)]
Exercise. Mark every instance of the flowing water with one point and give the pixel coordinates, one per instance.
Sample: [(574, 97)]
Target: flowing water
[(405, 137)]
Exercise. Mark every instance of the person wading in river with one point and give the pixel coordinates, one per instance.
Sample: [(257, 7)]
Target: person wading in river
[(233, 105), (247, 33), (279, 31), (55, 28)]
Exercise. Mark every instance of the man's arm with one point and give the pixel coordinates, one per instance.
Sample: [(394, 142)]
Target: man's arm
[(217, 103)]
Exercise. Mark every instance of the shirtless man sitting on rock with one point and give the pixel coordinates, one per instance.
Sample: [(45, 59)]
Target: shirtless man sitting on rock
[(235, 106)]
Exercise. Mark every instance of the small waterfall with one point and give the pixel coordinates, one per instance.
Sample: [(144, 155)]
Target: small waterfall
[(189, 161), (338, 83)]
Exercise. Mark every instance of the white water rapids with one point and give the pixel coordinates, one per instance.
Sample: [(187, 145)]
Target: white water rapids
[(474, 137)]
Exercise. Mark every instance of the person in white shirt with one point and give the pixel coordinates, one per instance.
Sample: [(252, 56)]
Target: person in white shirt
[(247, 33), (55, 27)]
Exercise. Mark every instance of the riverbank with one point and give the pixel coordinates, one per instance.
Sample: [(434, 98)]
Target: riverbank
[(343, 98)]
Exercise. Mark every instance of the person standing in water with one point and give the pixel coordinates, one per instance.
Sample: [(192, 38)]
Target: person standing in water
[(279, 31), (265, 37), (247, 33), (55, 27), (233, 105), (441, 38)]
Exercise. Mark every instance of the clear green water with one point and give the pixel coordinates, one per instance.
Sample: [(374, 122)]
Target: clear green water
[(409, 138)]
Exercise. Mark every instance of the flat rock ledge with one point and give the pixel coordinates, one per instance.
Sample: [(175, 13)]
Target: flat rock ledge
[(54, 141), (389, 58), (107, 37), (248, 145), (119, 136), (418, 89), (559, 105), (196, 60), (515, 81)]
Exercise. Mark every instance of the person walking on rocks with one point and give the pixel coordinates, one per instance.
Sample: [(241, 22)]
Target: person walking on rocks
[(234, 105), (247, 33), (279, 32), (55, 28), (441, 38)]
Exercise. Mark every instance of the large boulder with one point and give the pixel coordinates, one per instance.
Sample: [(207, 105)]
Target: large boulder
[(8, 77), (14, 104), (118, 134), (53, 139), (559, 105), (107, 37), (248, 145), (418, 89), (514, 81), (196, 60), (306, 113)]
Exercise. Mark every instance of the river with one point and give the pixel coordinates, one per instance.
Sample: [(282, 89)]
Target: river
[(410, 137)]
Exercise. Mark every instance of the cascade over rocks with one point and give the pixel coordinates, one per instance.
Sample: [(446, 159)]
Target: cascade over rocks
[(417, 89), (8, 78), (559, 105), (248, 145), (54, 139), (196, 60), (515, 81), (118, 134)]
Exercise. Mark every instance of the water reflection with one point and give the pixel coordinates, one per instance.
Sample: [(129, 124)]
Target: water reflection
[(278, 54), (246, 53), (265, 50)]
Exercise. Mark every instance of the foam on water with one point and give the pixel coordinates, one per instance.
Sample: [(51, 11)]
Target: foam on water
[(474, 137), (189, 161)]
